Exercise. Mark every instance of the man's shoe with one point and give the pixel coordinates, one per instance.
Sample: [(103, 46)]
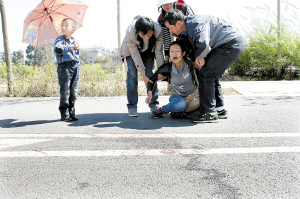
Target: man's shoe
[(207, 118), (73, 117), (65, 117), (222, 114), (156, 114), (132, 112)]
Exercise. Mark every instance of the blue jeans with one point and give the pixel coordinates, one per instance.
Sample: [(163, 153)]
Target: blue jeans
[(132, 80), (176, 104), (68, 77), (216, 63)]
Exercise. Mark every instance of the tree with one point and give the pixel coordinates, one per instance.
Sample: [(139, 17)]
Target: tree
[(18, 57), (119, 23), (279, 68), (6, 48), (103, 60), (85, 56), (30, 55), (44, 56)]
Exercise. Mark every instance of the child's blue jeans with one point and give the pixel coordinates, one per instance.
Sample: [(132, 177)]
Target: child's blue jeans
[(68, 77)]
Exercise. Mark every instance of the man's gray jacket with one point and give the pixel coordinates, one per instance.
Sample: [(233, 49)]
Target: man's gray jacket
[(208, 32)]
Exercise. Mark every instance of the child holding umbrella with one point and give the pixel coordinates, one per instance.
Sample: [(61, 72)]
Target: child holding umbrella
[(67, 53)]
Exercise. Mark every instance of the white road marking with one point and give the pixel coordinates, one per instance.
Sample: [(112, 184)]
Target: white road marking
[(13, 140), (8, 143), (106, 153), (105, 123), (240, 135)]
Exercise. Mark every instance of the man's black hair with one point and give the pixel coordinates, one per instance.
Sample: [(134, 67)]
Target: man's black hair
[(144, 24), (173, 16)]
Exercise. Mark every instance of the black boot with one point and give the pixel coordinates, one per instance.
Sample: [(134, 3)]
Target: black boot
[(64, 114), (64, 117), (72, 114)]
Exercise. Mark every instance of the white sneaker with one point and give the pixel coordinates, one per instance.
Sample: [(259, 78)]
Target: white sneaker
[(132, 112)]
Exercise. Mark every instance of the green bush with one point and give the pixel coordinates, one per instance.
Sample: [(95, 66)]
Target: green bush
[(3, 73), (32, 81), (260, 59), (97, 81)]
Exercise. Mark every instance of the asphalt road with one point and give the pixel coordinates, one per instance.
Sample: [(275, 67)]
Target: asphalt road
[(255, 153)]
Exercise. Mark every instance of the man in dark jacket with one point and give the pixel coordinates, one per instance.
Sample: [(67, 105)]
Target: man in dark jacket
[(216, 46)]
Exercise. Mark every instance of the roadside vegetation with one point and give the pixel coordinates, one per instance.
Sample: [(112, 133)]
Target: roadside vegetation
[(258, 62), (266, 57), (95, 81)]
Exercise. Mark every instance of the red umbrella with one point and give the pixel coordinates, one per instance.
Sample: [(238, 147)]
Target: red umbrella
[(42, 25)]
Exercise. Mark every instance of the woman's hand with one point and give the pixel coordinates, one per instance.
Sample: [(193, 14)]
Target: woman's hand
[(161, 77), (167, 58), (76, 44), (199, 63), (145, 78), (149, 98)]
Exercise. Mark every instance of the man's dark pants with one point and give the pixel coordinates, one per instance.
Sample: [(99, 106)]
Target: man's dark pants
[(68, 77), (216, 63)]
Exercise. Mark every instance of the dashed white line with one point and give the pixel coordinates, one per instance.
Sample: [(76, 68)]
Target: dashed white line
[(8, 143), (164, 152)]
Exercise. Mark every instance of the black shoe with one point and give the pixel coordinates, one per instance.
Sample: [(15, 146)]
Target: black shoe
[(178, 115), (207, 118), (158, 113), (72, 115), (222, 114), (65, 117)]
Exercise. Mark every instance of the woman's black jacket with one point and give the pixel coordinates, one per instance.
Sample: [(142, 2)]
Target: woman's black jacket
[(165, 70)]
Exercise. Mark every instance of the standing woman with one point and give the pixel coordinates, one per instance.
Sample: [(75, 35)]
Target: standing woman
[(164, 6)]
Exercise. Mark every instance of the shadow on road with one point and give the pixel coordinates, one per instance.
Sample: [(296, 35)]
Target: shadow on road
[(14, 101), (122, 120), (12, 123), (100, 120)]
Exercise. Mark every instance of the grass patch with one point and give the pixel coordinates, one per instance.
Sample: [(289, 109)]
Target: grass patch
[(94, 81)]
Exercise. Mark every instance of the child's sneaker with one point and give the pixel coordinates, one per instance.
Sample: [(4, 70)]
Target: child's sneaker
[(73, 117), (72, 114), (158, 113), (222, 114), (65, 117)]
